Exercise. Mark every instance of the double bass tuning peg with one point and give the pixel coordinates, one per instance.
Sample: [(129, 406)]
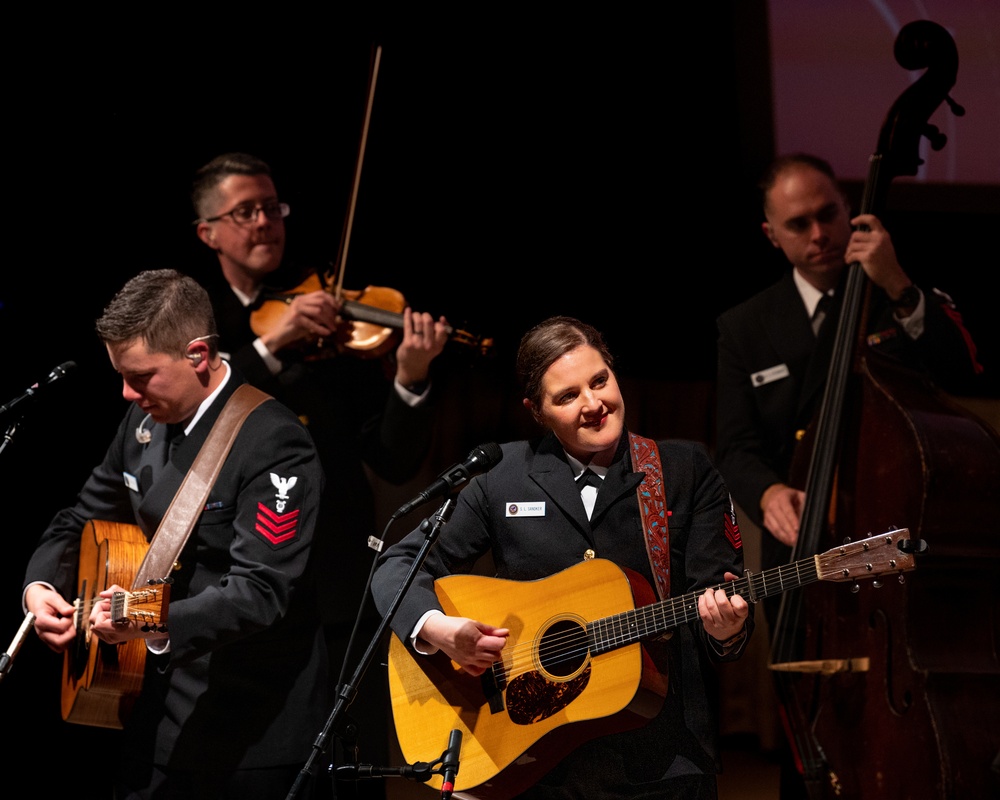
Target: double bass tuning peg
[(937, 139)]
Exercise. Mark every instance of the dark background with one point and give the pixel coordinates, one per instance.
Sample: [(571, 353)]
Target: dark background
[(601, 166)]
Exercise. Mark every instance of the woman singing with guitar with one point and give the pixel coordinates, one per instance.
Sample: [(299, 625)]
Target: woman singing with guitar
[(600, 717)]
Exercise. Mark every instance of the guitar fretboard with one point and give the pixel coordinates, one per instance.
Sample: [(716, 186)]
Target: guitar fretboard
[(860, 559)]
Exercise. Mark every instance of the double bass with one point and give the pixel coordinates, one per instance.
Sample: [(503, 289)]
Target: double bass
[(894, 691)]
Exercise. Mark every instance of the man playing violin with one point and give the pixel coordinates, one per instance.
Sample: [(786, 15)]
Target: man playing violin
[(240, 218), (359, 418)]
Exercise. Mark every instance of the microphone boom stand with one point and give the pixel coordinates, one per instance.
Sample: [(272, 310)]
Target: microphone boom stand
[(346, 692)]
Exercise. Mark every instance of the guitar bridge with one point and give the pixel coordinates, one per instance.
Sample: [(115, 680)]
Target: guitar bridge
[(494, 681)]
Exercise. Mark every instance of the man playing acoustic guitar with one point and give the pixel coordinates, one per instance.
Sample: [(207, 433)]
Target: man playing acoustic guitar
[(232, 685)]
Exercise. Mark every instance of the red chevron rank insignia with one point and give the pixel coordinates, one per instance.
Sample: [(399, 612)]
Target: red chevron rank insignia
[(277, 528)]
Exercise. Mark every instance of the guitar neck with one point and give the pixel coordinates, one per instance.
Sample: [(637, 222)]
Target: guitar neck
[(866, 558), (621, 630)]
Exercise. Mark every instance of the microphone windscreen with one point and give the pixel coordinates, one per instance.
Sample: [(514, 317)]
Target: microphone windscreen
[(491, 454)]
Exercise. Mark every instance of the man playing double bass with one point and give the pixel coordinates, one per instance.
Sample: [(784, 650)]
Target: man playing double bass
[(772, 364), (775, 348)]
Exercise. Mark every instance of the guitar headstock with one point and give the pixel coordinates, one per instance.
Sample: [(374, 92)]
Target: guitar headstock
[(876, 555), (146, 607)]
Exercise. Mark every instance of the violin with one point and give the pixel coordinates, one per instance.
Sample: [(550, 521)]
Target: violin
[(376, 312)]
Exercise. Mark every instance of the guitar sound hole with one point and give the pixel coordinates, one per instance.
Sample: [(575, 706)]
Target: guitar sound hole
[(563, 648)]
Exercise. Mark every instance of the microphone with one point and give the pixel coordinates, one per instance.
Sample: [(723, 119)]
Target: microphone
[(481, 459), (7, 659), (449, 764), (64, 369)]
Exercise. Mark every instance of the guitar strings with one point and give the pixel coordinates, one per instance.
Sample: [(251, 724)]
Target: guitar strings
[(630, 627)]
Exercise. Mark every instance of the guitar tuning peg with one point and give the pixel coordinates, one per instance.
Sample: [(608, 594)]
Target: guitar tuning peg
[(902, 578), (877, 583), (855, 588), (847, 540)]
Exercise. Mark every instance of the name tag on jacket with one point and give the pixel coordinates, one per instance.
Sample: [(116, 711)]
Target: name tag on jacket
[(529, 509), (770, 375)]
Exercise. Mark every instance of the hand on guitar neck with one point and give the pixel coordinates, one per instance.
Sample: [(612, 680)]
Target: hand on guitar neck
[(120, 616), (117, 616)]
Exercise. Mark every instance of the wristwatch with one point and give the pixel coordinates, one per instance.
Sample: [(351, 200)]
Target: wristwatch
[(908, 298)]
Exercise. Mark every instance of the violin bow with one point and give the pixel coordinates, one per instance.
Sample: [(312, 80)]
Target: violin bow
[(349, 221)]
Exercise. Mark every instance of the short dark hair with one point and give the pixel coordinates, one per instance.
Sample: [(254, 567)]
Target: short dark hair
[(208, 177), (163, 308), (785, 162), (548, 341)]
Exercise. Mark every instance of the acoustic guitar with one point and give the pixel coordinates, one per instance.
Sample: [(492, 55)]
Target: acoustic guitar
[(575, 666), (102, 681)]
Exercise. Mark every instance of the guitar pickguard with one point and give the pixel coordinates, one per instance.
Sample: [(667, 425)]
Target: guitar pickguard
[(531, 697)]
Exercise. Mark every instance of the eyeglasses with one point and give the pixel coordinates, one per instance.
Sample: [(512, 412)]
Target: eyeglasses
[(246, 213)]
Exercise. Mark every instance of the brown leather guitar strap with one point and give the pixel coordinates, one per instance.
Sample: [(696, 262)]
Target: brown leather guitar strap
[(653, 509), (178, 522)]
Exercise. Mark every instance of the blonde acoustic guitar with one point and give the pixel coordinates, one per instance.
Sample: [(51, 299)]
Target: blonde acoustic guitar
[(576, 664), (100, 681)]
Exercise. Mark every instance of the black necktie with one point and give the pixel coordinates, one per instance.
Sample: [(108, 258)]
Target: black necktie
[(175, 435), (821, 311)]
